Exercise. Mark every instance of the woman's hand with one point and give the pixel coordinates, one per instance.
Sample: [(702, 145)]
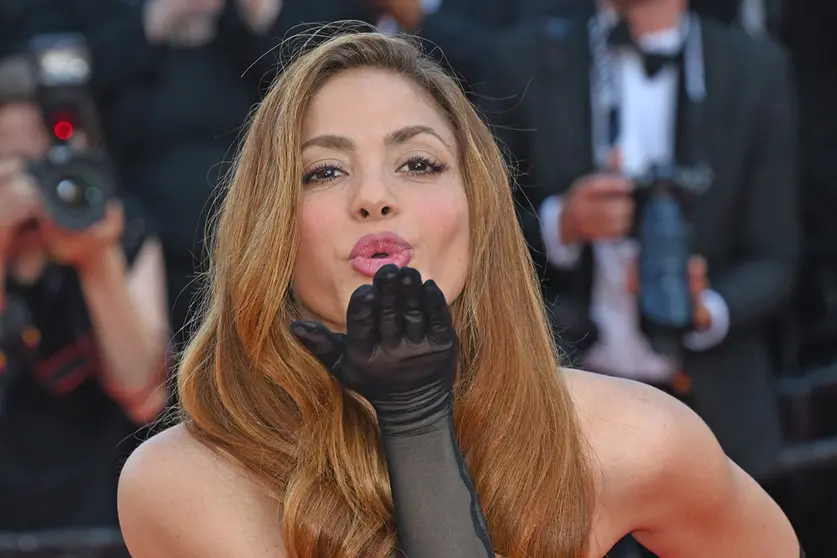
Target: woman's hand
[(81, 249), (399, 350), (409, 14), (260, 15), (162, 18)]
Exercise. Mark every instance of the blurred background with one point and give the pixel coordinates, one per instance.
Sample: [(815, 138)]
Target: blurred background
[(119, 120)]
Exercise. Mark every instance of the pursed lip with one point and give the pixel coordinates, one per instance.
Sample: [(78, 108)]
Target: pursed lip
[(374, 251)]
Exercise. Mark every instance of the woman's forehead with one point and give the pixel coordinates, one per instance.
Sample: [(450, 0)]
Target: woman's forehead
[(373, 102)]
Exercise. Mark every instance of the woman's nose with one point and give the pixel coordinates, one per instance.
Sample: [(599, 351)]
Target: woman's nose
[(366, 213), (373, 200)]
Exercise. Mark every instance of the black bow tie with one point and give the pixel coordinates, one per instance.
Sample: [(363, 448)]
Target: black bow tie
[(620, 36)]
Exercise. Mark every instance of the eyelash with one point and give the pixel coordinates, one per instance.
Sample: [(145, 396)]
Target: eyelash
[(433, 167)]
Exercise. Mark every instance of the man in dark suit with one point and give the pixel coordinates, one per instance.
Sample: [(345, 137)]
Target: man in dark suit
[(577, 208)]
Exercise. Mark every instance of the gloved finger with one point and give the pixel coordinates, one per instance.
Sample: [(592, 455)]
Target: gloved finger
[(439, 323), (321, 342), (362, 320), (386, 282), (410, 293)]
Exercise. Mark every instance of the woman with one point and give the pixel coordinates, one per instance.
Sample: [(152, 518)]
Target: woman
[(363, 136)]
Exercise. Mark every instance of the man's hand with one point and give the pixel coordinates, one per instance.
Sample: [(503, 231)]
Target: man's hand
[(408, 14), (259, 14), (698, 282), (83, 249), (19, 201), (162, 17), (598, 207)]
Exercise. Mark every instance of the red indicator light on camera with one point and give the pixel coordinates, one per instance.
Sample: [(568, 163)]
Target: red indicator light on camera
[(63, 130)]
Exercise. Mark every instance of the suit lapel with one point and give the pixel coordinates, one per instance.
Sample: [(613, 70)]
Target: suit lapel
[(718, 115), (563, 140), (719, 82)]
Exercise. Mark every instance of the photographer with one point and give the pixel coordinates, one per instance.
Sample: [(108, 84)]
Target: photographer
[(174, 81), (83, 344)]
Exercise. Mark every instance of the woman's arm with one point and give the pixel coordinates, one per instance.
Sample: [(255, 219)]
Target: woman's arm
[(713, 508), (128, 312), (399, 352), (437, 509), (674, 487)]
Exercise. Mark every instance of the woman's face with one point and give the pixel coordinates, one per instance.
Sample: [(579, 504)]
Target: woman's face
[(22, 132), (382, 184), (23, 136)]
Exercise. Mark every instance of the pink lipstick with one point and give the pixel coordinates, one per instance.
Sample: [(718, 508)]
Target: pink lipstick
[(374, 251)]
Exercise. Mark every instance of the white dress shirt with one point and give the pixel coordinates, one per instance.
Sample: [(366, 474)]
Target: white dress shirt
[(648, 116)]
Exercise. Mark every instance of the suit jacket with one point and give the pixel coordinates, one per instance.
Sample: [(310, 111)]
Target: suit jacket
[(725, 11), (464, 30), (746, 224)]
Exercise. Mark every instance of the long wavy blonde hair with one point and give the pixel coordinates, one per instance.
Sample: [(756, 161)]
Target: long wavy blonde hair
[(250, 391)]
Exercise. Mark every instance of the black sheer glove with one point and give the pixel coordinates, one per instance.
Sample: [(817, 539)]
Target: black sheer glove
[(399, 352)]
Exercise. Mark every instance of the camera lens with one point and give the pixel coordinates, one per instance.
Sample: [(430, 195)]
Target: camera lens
[(70, 192), (76, 186), (76, 193)]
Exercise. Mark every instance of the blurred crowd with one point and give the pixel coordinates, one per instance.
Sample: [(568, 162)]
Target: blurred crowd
[(95, 308)]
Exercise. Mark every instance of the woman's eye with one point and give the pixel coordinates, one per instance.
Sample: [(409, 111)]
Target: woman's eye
[(322, 174), (422, 166), (417, 166)]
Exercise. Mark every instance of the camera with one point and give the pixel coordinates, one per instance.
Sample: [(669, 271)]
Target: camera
[(665, 197), (75, 176)]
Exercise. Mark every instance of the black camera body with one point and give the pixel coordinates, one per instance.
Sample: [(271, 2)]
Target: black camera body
[(664, 200), (76, 177)]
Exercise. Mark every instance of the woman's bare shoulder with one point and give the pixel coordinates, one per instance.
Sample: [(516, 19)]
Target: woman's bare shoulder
[(618, 415), (629, 423), (179, 498), (634, 432)]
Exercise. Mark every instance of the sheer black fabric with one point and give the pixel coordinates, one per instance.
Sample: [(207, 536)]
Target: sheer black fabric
[(436, 507)]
